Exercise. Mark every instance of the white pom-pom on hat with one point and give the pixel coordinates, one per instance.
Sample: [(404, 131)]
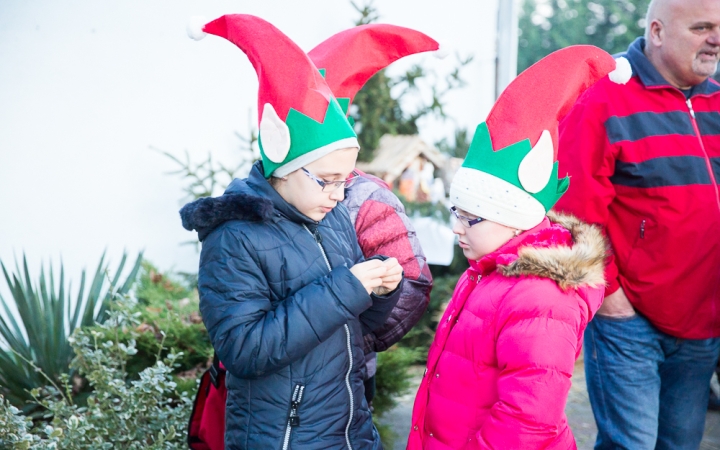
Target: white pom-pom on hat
[(622, 72), (195, 27), (443, 50)]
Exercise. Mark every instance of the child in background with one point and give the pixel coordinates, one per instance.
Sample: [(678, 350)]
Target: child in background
[(348, 59)]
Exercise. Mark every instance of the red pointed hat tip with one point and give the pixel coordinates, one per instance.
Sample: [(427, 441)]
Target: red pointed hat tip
[(195, 27)]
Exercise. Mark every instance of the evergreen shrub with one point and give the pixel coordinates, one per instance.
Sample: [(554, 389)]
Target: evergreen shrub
[(120, 412), (169, 318)]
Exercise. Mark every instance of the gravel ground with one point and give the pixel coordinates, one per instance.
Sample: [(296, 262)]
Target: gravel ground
[(578, 412)]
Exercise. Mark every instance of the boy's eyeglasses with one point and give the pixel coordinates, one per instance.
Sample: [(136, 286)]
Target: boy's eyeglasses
[(331, 186), (464, 220)]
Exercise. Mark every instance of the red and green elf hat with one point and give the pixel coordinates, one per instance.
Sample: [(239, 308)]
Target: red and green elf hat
[(300, 120), (348, 59), (510, 174)]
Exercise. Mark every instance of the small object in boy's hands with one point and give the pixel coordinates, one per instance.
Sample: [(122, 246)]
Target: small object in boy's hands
[(369, 273), (392, 277)]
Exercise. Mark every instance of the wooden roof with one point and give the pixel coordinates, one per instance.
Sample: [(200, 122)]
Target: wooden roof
[(395, 153)]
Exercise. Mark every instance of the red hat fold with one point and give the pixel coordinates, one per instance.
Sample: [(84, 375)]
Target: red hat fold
[(544, 93), (278, 61), (350, 58), (300, 120)]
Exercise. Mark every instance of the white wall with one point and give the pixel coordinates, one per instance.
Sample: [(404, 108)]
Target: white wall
[(86, 87)]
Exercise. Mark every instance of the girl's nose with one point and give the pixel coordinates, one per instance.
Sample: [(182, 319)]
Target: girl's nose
[(458, 228)]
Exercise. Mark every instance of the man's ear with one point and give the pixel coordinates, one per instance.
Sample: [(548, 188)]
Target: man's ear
[(657, 32)]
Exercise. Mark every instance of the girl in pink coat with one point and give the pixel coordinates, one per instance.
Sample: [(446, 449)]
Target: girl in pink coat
[(499, 369)]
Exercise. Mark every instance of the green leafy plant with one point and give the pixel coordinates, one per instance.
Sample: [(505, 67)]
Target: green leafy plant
[(121, 413), (392, 380), (37, 337), (422, 335), (15, 429), (168, 315), (458, 148)]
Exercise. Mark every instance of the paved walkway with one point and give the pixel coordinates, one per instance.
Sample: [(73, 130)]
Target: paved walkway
[(577, 409)]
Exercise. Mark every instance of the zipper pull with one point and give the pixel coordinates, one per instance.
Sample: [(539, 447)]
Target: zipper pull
[(294, 417), (318, 236), (642, 229), (692, 111)]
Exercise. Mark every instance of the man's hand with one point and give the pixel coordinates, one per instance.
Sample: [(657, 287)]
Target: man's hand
[(392, 277), (370, 273), (616, 305)]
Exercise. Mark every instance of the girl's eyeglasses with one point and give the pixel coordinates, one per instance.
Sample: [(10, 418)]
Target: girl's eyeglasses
[(464, 220), (331, 186)]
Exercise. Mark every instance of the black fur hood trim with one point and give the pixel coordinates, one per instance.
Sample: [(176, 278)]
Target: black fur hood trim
[(206, 214)]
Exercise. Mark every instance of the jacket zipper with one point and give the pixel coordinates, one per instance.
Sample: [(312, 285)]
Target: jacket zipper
[(347, 384), (293, 416), (642, 229), (318, 239), (702, 146)]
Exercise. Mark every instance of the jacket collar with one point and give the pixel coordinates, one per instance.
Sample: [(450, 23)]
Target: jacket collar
[(251, 199), (561, 248), (651, 78), (257, 181), (489, 262)]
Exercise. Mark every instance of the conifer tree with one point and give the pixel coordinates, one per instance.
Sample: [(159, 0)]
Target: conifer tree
[(377, 111), (549, 25)]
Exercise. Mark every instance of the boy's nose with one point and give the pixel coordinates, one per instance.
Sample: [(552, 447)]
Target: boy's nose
[(338, 194)]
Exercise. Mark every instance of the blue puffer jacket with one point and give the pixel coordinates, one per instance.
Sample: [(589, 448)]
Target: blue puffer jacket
[(288, 328)]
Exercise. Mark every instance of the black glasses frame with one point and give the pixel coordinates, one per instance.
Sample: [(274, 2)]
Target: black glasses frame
[(335, 184), (464, 220)]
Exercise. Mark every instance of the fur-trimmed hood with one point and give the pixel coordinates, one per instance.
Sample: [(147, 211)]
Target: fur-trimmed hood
[(251, 199), (206, 214), (581, 264)]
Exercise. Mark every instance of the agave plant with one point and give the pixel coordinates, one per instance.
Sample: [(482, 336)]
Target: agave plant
[(34, 347)]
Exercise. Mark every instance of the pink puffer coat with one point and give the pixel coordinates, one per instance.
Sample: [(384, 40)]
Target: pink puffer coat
[(498, 372)]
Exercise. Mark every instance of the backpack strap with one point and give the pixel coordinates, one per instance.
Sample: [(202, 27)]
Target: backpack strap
[(216, 371)]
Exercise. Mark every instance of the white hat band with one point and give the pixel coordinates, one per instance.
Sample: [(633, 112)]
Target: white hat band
[(495, 199)]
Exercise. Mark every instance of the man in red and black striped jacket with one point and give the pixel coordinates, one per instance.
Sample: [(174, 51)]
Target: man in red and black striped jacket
[(645, 164)]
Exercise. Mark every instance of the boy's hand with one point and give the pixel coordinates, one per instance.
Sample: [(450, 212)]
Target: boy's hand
[(392, 277), (370, 273)]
